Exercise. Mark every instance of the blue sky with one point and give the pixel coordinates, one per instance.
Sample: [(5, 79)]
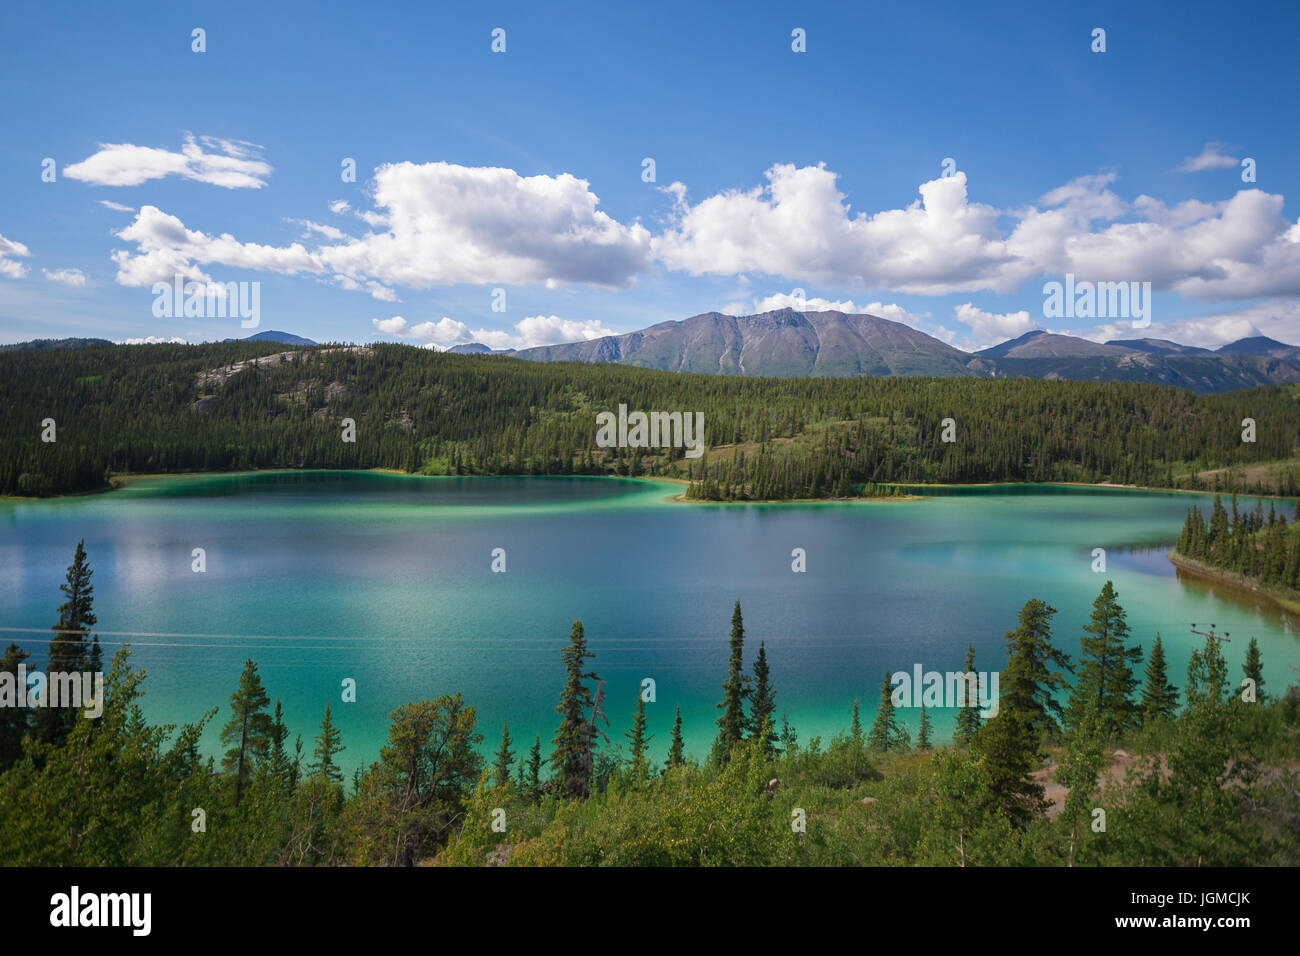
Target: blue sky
[(523, 170)]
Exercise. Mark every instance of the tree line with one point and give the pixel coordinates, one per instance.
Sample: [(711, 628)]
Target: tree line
[(155, 408)]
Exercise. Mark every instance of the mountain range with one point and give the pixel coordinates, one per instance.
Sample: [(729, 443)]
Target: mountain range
[(786, 343)]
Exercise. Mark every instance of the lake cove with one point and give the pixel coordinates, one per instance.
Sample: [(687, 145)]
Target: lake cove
[(388, 580)]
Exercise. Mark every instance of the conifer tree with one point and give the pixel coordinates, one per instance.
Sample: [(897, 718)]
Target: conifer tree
[(855, 725), (638, 740), (1254, 669), (1033, 674), (1106, 666), (574, 739), (1159, 697), (504, 757), (763, 708), (923, 741), (735, 690), (328, 745), (14, 720), (278, 757), (968, 716), (70, 649), (248, 732), (789, 739), (886, 734), (676, 748)]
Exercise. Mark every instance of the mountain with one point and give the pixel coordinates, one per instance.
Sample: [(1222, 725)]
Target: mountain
[(1040, 344), (783, 344), (36, 344), (789, 344), (270, 335), (1260, 345), (1159, 347)]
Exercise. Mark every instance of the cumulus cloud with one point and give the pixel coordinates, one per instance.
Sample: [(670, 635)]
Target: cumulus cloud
[(232, 164), (529, 332), (153, 340), (340, 206), (116, 206), (73, 277), (990, 328), (10, 248), (1277, 318), (441, 225), (1211, 157)]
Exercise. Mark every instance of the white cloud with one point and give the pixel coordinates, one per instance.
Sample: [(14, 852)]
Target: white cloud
[(116, 206), (443, 225), (8, 267), (340, 206), (231, 163), (153, 340), (1211, 157), (529, 332), (314, 228), (1277, 318), (990, 328), (73, 277)]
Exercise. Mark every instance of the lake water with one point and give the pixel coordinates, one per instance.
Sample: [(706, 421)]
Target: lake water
[(322, 576)]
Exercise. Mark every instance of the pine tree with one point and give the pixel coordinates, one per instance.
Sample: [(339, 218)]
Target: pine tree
[(1159, 697), (886, 734), (968, 716), (1254, 669), (504, 757), (763, 708), (278, 759), (789, 739), (732, 725), (248, 733), (70, 651), (1033, 674), (574, 739), (328, 744), (1106, 666), (855, 725), (923, 734), (676, 749), (638, 740)]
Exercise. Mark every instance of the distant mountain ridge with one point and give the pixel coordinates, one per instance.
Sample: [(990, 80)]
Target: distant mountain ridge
[(785, 343)]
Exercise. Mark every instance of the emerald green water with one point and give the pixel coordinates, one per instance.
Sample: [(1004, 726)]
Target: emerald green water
[(322, 576)]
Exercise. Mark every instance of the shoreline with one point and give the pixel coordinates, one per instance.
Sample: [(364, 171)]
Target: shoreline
[(1233, 581), (120, 481)]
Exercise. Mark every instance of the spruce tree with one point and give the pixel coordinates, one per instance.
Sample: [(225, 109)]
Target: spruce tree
[(248, 732), (677, 749), (574, 739), (731, 725), (763, 708), (70, 650), (504, 757), (1254, 669), (968, 716), (886, 734), (278, 757), (1106, 666), (638, 740), (923, 741), (1159, 697), (789, 739), (855, 725), (1033, 674), (328, 744)]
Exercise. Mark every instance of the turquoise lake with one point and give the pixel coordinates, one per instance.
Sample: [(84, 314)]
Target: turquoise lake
[(322, 576)]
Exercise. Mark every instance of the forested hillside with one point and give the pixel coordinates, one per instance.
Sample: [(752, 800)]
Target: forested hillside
[(233, 406)]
